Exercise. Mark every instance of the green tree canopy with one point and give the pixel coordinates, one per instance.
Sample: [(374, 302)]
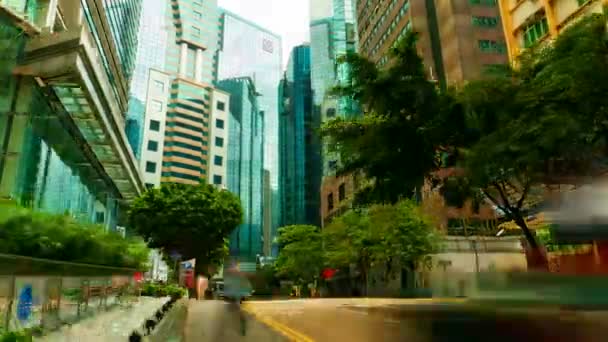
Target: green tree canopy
[(534, 124), (394, 143), (385, 235), (301, 256), (192, 220)]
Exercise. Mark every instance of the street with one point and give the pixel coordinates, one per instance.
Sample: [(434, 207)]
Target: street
[(359, 320)]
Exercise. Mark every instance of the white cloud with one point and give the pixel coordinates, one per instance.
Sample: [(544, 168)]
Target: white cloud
[(288, 18)]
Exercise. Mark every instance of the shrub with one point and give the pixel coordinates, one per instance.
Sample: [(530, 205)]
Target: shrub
[(60, 237), (162, 290)]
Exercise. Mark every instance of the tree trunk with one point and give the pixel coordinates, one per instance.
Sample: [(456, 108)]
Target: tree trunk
[(537, 258)]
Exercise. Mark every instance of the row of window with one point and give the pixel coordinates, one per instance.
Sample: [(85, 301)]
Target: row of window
[(535, 31), (483, 2), (341, 197), (486, 22), (381, 21), (492, 46), (389, 32)]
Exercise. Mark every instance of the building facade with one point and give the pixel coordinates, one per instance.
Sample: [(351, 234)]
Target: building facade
[(248, 50), (218, 150), (245, 165), (526, 23), (300, 176), (62, 108), (333, 34), (152, 43), (458, 39), (179, 94)]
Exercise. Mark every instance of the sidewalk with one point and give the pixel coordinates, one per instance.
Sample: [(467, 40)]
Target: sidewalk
[(114, 325)]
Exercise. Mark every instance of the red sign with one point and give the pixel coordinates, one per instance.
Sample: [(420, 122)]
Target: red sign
[(138, 277), (328, 273), (189, 278)]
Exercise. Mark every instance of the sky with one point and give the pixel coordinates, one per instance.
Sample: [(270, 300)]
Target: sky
[(287, 18)]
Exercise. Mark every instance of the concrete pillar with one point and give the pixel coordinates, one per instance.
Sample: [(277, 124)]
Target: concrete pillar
[(198, 67), (14, 128), (183, 60)]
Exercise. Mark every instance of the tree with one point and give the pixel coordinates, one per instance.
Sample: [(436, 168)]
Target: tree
[(301, 256), (395, 142), (538, 123), (381, 235), (192, 220)]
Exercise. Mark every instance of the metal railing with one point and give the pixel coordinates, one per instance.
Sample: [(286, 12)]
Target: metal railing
[(47, 294)]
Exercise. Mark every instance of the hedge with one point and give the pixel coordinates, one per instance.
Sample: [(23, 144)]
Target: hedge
[(60, 237)]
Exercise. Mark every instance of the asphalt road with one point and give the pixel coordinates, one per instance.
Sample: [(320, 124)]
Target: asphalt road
[(377, 320), (212, 320)]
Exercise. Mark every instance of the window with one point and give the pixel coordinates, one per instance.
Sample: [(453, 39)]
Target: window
[(152, 145), (342, 192), (492, 46), (159, 85), (157, 106), (219, 123), (219, 142), (330, 113), (218, 160), (151, 167), (485, 21), (535, 31), (330, 202), (154, 125), (220, 105), (217, 179), (198, 15), (196, 32)]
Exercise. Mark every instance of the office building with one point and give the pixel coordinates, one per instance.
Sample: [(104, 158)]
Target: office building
[(63, 106), (300, 175), (248, 50), (245, 165), (529, 22), (179, 95), (458, 39), (152, 43), (333, 33), (218, 146)]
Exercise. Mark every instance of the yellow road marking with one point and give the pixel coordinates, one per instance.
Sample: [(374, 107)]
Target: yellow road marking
[(284, 330)]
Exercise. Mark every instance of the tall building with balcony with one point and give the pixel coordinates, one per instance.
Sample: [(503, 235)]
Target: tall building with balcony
[(333, 34), (65, 75), (529, 22), (249, 50), (300, 173), (458, 39), (245, 165), (180, 99)]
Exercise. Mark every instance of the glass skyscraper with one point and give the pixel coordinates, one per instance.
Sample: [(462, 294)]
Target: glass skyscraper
[(299, 143), (65, 149), (245, 168), (248, 50), (151, 49)]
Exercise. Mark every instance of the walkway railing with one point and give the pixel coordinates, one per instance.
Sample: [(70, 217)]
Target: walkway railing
[(47, 294)]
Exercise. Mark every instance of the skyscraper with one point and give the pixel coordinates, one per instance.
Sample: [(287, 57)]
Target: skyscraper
[(300, 175), (62, 118), (245, 167), (248, 50), (332, 35), (151, 50), (180, 97), (458, 39)]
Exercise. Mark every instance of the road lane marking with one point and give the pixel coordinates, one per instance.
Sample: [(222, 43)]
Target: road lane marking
[(281, 328)]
